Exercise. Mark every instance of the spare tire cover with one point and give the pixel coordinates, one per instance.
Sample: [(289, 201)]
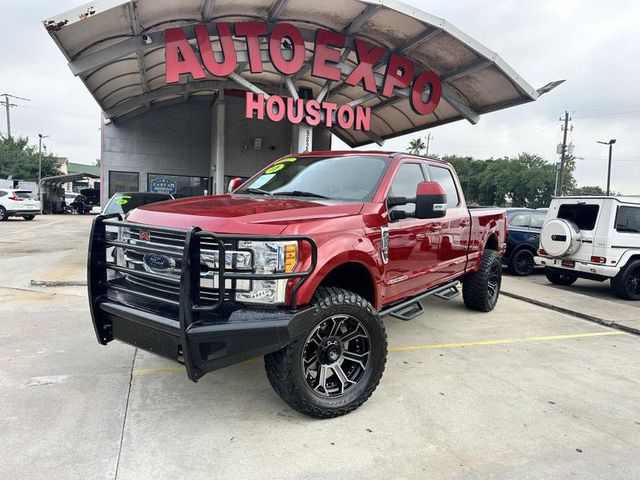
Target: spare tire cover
[(560, 237)]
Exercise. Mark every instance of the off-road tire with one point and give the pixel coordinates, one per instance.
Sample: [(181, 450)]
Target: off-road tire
[(481, 289), (626, 284), (28, 217), (284, 368), (3, 214), (521, 263), (560, 277)]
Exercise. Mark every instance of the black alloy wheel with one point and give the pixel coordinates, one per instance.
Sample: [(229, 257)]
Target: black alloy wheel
[(522, 263), (336, 363), (626, 284), (335, 355)]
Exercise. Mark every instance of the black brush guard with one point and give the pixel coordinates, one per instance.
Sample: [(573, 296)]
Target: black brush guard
[(202, 337)]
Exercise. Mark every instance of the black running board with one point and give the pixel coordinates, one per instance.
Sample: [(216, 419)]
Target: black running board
[(411, 308)]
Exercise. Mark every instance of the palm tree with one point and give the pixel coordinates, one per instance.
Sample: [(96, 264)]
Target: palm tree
[(416, 146)]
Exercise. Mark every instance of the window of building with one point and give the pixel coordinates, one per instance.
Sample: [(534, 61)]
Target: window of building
[(123, 182), (445, 179), (628, 220), (177, 185), (405, 184)]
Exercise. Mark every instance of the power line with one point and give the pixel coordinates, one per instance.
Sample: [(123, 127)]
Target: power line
[(8, 105)]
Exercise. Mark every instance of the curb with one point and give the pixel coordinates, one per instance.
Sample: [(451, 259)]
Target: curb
[(583, 316), (59, 283)]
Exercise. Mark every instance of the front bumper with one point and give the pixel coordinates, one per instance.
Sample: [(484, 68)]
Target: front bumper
[(579, 267), (202, 337)]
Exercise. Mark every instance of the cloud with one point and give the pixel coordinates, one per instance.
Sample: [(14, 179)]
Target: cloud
[(594, 48)]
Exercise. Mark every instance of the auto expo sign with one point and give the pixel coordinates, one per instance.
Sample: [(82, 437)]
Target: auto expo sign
[(423, 88)]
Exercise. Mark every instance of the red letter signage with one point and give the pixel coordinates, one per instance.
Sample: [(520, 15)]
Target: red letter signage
[(325, 51), (230, 62), (287, 51), (176, 44), (364, 69), (295, 43), (252, 31)]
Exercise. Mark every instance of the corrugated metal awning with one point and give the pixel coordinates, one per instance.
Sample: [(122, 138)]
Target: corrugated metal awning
[(117, 48)]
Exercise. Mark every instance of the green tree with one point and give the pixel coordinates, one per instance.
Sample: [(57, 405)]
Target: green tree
[(590, 190), (20, 160), (416, 146)]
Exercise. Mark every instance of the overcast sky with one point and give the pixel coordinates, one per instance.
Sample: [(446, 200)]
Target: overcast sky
[(595, 47)]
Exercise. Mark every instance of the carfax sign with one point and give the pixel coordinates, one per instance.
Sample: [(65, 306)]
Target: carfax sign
[(163, 185)]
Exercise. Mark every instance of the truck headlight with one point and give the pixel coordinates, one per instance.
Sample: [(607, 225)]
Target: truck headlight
[(272, 257), (269, 257)]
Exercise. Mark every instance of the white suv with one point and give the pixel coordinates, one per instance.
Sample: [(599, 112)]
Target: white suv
[(597, 238), (18, 203)]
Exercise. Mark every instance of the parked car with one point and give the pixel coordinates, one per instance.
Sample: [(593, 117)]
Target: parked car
[(123, 202), (597, 238), (299, 264), (76, 203), (18, 203), (523, 236)]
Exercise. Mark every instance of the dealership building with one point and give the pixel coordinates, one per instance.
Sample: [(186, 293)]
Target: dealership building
[(197, 92)]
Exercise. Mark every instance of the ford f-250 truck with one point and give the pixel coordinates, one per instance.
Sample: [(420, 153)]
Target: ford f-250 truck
[(298, 264)]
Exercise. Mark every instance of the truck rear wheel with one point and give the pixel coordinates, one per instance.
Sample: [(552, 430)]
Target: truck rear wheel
[(337, 363), (560, 277), (521, 263), (626, 284), (481, 289)]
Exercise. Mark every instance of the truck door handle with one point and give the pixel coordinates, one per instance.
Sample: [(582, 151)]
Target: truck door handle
[(464, 223), (435, 227)]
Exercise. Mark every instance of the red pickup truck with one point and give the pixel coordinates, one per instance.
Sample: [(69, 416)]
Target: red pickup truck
[(298, 264)]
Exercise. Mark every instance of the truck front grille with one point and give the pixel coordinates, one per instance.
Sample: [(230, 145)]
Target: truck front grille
[(154, 269)]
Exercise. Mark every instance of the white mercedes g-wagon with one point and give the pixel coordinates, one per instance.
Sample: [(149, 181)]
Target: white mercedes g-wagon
[(597, 238)]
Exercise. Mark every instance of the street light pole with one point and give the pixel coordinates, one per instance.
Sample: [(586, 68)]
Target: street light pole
[(610, 143), (40, 137)]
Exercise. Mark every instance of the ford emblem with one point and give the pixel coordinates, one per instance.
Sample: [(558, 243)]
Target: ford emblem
[(158, 263)]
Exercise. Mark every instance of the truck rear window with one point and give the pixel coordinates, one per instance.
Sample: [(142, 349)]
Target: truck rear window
[(584, 216)]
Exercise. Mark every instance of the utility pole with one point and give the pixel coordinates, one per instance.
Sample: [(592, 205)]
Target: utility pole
[(40, 137), (563, 153), (428, 142), (610, 143), (7, 105)]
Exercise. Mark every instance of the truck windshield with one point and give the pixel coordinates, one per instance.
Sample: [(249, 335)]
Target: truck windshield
[(349, 178)]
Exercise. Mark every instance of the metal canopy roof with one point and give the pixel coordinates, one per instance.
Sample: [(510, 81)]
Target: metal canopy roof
[(117, 48)]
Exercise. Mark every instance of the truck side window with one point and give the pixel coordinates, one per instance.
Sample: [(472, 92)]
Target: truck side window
[(443, 177), (405, 184), (628, 220)]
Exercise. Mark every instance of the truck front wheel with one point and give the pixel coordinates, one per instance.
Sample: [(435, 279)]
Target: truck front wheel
[(481, 289), (337, 362)]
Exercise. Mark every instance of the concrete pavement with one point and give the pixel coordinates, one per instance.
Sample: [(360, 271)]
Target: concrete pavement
[(523, 392), (586, 299)]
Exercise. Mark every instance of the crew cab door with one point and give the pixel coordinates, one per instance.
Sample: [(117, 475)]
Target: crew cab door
[(413, 246), (453, 229)]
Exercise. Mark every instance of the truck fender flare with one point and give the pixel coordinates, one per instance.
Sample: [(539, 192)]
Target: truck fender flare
[(323, 270)]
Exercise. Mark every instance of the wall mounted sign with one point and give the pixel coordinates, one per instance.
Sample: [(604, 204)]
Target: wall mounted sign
[(287, 52), (163, 185)]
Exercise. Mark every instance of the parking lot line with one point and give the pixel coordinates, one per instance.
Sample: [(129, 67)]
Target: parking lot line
[(504, 341), (435, 346)]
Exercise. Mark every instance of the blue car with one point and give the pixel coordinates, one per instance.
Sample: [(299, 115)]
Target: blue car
[(523, 236)]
